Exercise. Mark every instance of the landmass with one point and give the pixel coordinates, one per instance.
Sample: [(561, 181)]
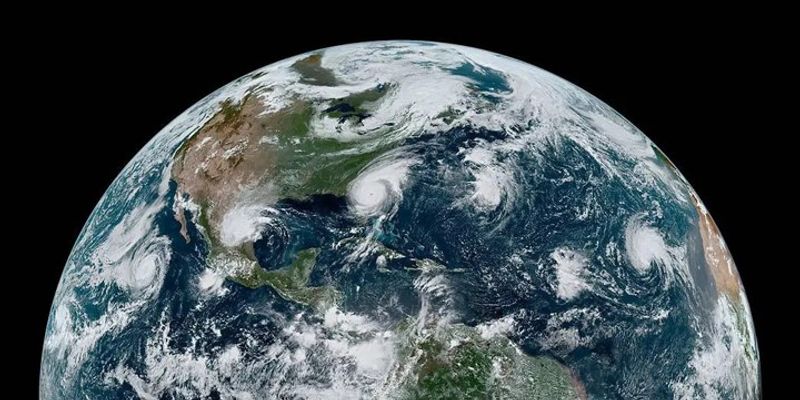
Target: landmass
[(313, 73), (718, 258), (248, 155), (455, 362), (291, 281)]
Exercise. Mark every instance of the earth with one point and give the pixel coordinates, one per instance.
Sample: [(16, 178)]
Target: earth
[(400, 220)]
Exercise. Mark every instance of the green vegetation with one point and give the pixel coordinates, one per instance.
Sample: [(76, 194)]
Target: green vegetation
[(309, 165), (291, 281), (314, 173), (460, 373), (535, 378), (230, 111), (457, 363), (298, 165), (305, 166), (292, 122), (743, 326)]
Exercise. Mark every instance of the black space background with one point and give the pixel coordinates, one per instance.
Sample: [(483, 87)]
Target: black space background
[(97, 92)]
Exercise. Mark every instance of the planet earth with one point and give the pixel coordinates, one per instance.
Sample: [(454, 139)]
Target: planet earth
[(400, 220)]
